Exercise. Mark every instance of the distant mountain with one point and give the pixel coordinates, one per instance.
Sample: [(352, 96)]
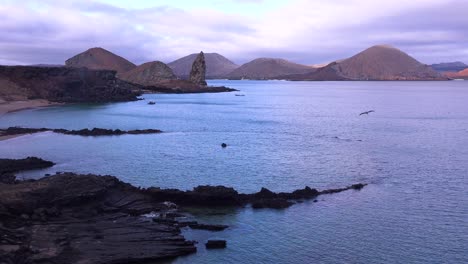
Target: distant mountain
[(380, 62), (268, 68), (148, 74), (47, 65), (217, 66), (100, 59), (449, 66), (458, 75)]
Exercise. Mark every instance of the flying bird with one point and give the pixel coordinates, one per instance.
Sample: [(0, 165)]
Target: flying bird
[(366, 113)]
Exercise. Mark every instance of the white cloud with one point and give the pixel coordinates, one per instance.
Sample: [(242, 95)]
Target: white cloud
[(305, 31)]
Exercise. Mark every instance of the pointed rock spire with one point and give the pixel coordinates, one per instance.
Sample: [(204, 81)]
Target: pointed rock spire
[(197, 74)]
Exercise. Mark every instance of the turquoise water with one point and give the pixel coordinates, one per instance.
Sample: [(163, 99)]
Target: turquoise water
[(284, 135)]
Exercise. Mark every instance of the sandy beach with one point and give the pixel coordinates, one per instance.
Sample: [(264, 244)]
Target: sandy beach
[(13, 106)]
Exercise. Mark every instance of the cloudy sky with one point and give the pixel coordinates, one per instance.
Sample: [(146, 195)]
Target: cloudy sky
[(304, 31)]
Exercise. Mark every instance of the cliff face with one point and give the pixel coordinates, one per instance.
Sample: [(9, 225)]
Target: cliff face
[(100, 59), (62, 84), (268, 68), (148, 74), (217, 66)]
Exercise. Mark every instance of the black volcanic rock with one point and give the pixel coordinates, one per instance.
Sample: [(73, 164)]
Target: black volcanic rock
[(210, 244), (8, 167), (63, 84), (198, 72), (82, 132), (207, 227), (217, 66), (70, 218), (274, 203)]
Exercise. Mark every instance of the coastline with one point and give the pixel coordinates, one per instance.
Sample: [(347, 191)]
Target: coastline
[(105, 212), (14, 106), (19, 105)]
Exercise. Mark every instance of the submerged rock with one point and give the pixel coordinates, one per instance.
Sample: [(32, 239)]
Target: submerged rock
[(275, 203), (215, 244), (207, 227), (198, 72)]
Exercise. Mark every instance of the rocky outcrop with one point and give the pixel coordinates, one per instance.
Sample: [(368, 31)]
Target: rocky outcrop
[(100, 59), (62, 84), (217, 66), (8, 167), (198, 72), (210, 244), (185, 86), (226, 196), (148, 74), (377, 63), (82, 132), (268, 68), (70, 218)]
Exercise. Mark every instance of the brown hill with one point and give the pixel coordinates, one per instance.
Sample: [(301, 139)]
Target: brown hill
[(376, 63), (268, 68), (458, 75), (100, 59), (217, 66), (148, 74)]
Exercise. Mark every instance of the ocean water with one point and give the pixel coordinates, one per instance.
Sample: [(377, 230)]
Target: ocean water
[(413, 152)]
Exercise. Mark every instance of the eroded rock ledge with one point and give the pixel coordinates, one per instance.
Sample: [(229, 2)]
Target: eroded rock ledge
[(11, 131), (70, 218)]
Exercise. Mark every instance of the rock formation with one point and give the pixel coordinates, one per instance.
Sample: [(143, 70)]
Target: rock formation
[(64, 84), (217, 66), (70, 218), (82, 132), (198, 72), (268, 68), (100, 59), (148, 74)]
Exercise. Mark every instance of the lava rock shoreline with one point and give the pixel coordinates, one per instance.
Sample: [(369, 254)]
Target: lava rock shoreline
[(11, 131), (71, 218)]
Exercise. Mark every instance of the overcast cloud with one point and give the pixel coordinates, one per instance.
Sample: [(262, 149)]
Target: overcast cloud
[(304, 31)]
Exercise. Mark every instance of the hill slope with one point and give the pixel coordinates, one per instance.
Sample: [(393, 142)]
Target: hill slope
[(268, 68), (458, 75), (100, 59), (217, 66), (375, 63), (148, 74)]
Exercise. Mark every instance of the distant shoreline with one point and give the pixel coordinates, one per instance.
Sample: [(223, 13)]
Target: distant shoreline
[(14, 106)]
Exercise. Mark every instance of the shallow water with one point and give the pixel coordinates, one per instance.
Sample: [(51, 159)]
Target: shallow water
[(413, 150)]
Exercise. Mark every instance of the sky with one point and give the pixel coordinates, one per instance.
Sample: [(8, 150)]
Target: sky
[(303, 31)]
